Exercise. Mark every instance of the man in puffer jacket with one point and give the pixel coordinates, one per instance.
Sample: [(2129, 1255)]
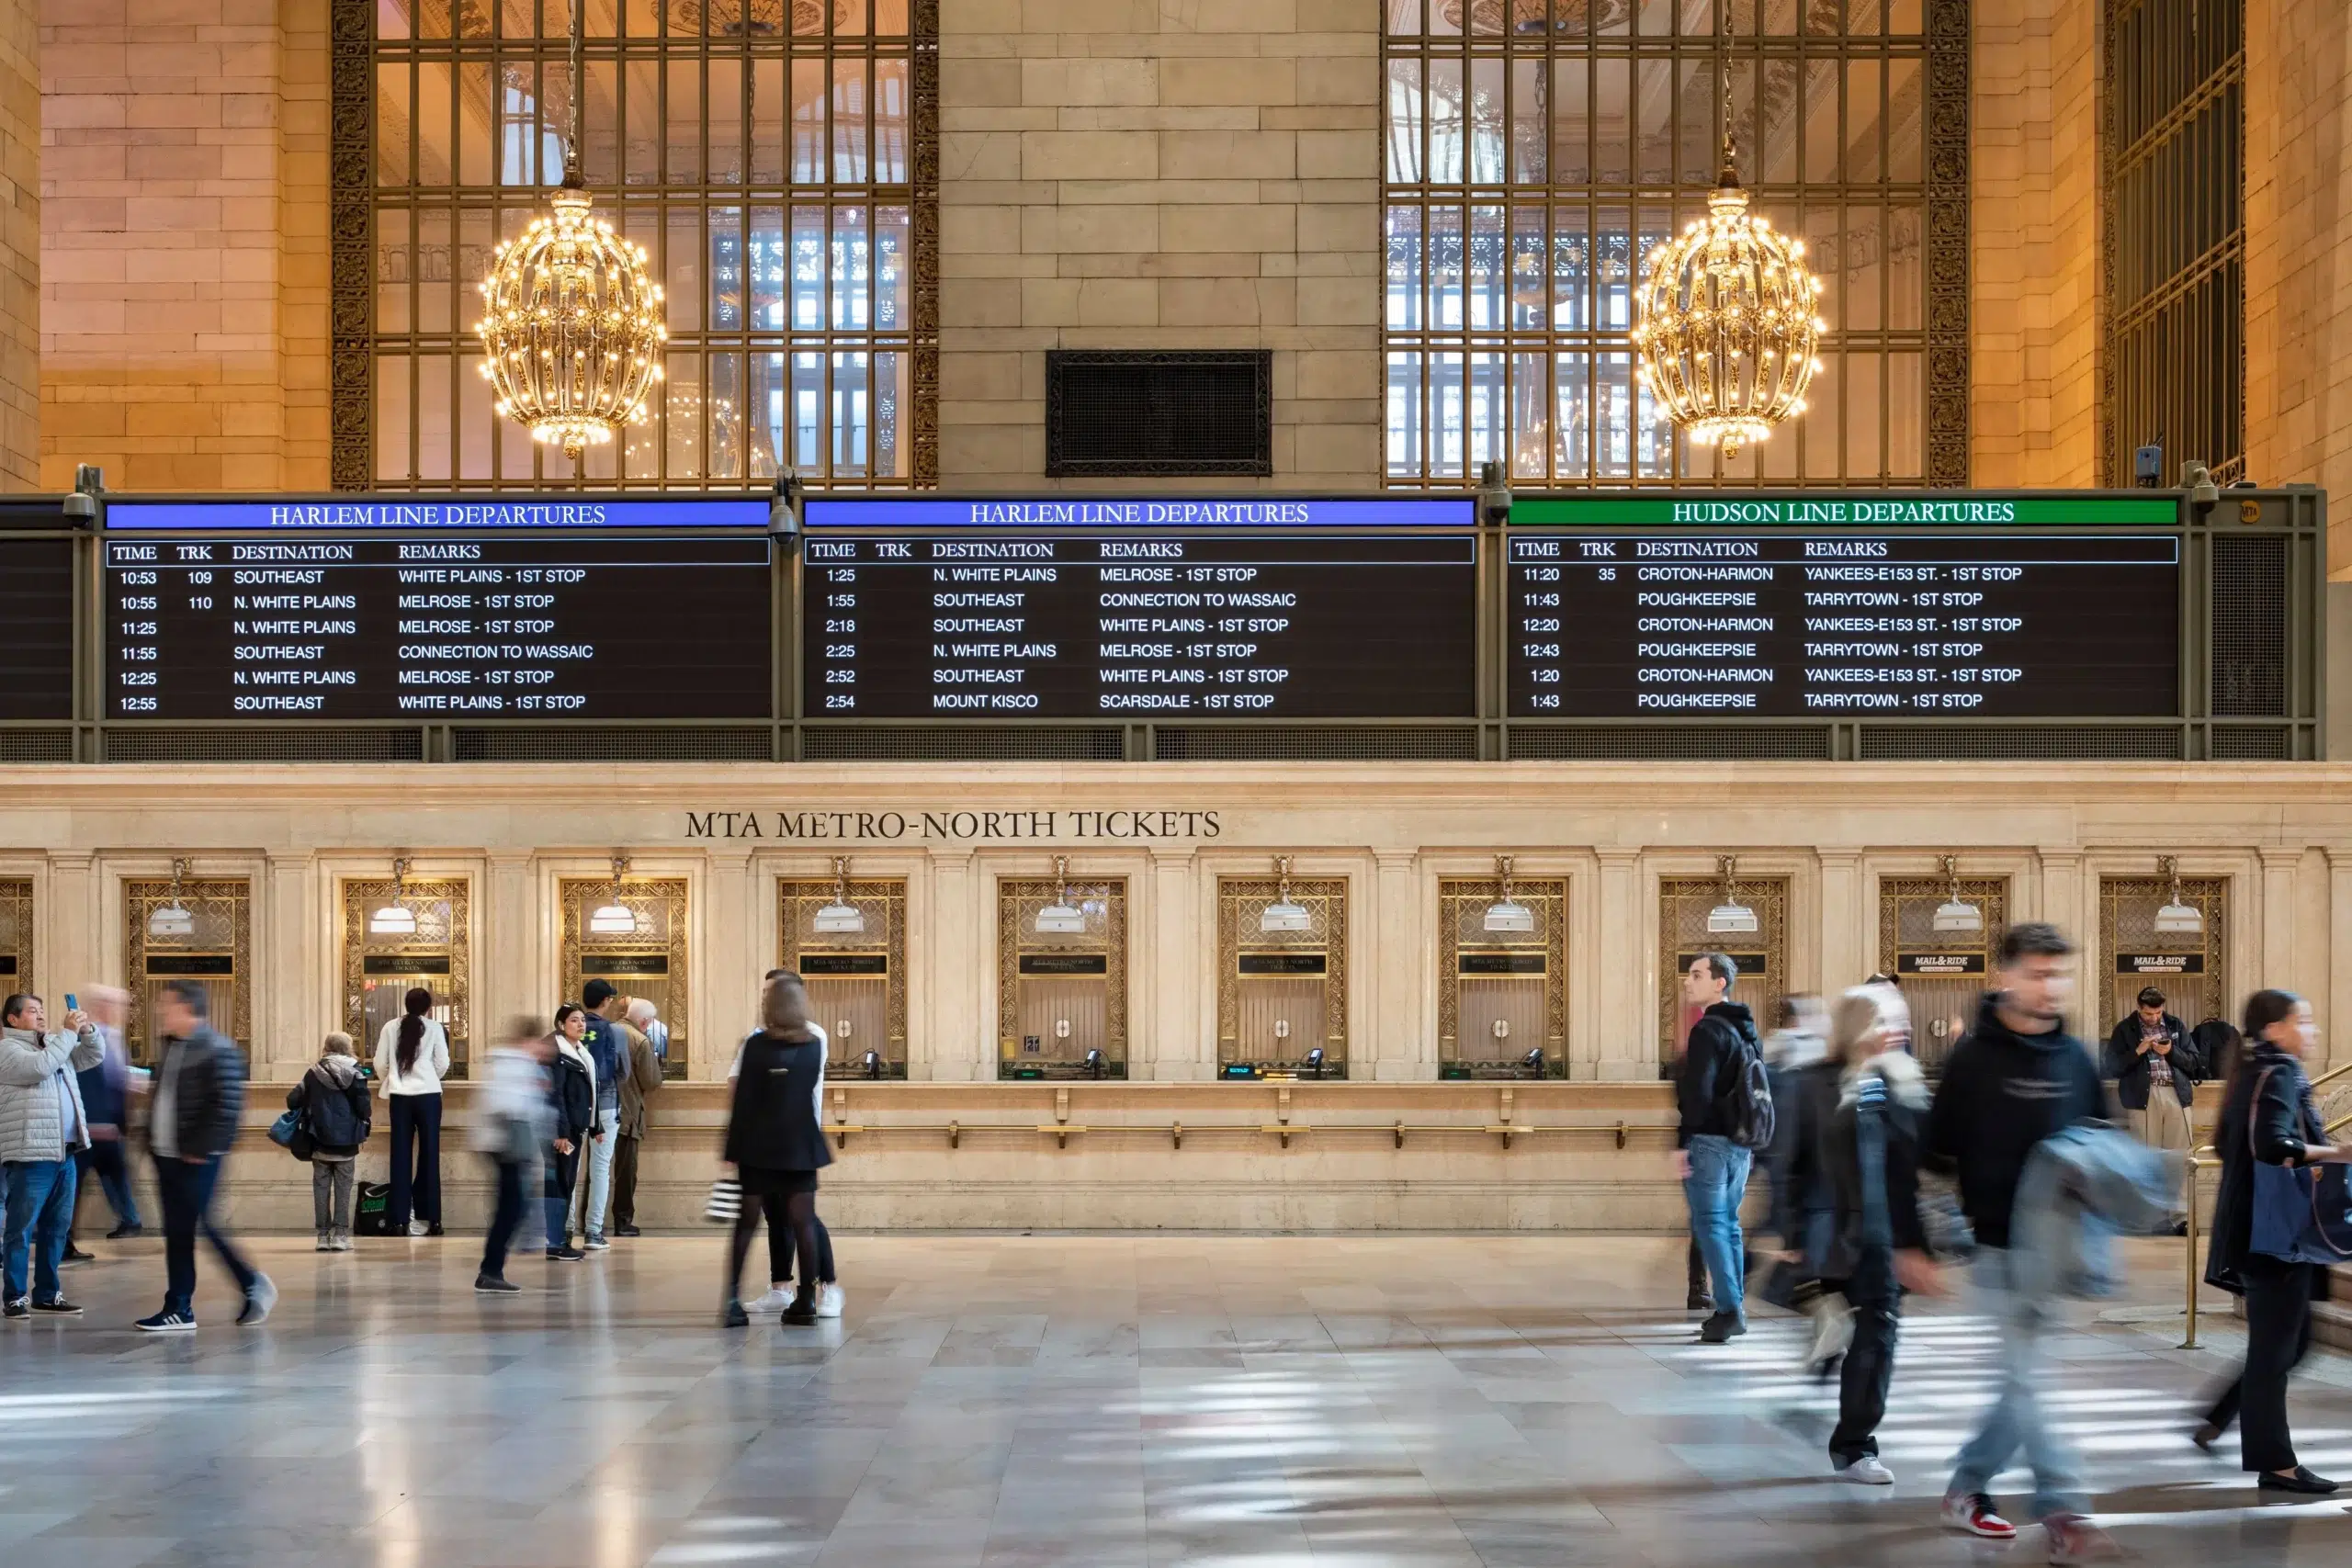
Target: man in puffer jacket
[(42, 1126)]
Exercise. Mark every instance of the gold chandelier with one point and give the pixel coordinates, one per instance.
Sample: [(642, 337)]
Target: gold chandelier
[(572, 327), (1727, 322)]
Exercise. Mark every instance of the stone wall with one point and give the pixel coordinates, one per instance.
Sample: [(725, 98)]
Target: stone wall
[(2034, 323), (2299, 252), (183, 264), (1178, 174), (19, 246)]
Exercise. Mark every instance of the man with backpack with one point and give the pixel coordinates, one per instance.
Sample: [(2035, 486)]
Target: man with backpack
[(1727, 1105), (2015, 1079)]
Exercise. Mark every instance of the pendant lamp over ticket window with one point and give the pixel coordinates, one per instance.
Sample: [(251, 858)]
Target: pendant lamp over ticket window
[(395, 918), (614, 918)]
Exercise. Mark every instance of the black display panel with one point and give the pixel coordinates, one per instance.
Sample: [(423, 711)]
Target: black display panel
[(439, 627), (1720, 623), (36, 628), (1080, 623)]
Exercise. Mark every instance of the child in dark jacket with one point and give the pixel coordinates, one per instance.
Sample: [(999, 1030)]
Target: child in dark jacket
[(333, 1099)]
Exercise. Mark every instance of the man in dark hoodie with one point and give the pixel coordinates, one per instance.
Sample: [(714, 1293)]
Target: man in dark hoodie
[(1713, 1169), (2017, 1077)]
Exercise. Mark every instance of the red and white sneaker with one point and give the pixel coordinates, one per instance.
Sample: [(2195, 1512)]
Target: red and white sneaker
[(2073, 1538), (1972, 1512)]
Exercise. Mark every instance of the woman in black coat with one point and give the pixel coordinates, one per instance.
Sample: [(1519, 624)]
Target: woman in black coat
[(775, 1140), (2268, 1116)]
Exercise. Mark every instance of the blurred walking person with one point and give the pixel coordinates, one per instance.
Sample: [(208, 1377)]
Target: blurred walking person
[(412, 1057), (2268, 1117), (334, 1099), (105, 1095), (776, 1141), (43, 1128), (1865, 1110), (1804, 1201), (199, 1090), (571, 1123), (1712, 1164), (2014, 1079), (514, 1121)]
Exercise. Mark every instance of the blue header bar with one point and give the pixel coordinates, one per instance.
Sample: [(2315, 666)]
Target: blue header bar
[(306, 514), (1139, 511)]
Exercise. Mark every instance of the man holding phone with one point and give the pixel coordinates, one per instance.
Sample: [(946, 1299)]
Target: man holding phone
[(43, 1126)]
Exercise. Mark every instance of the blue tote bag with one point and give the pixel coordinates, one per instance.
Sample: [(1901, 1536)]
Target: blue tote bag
[(2302, 1215)]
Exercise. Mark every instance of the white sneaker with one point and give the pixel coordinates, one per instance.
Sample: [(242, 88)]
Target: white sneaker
[(829, 1301), (1867, 1471), (774, 1300), (417, 1227)]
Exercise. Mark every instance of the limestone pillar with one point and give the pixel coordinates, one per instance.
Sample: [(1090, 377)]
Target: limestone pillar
[(1627, 978), (955, 1014), (1403, 1050), (1168, 1039)]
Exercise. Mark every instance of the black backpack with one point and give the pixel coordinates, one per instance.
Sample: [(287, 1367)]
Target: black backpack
[(1744, 1094)]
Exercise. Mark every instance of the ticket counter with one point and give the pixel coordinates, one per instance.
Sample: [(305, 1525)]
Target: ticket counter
[(401, 935), (185, 928), (630, 931), (2169, 931), (847, 938), (1502, 977), (1062, 976), (1943, 966), (1744, 917), (1282, 1002)]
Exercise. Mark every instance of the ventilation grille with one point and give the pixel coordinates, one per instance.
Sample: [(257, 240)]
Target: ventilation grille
[(1143, 414), (36, 745), (956, 743), (2024, 742), (2249, 625), (1300, 743), (2252, 743), (1635, 742), (591, 744), (265, 745)]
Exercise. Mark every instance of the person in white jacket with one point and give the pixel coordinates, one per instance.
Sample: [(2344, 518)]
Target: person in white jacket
[(412, 1058), (42, 1126)]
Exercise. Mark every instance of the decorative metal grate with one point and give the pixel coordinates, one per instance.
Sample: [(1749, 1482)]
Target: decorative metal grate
[(1158, 414), (1683, 905), (2252, 743), (2249, 625), (330, 745), (736, 744), (1309, 743), (2022, 742), (1635, 742), (957, 743), (36, 745)]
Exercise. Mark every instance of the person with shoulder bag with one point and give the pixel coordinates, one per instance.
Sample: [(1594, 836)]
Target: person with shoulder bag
[(2269, 1135), (337, 1118), (1726, 1103), (775, 1140), (573, 1123)]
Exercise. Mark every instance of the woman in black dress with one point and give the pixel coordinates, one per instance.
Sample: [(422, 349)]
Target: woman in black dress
[(775, 1140), (2268, 1116)]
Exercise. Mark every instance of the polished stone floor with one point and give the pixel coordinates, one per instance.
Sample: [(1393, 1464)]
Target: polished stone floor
[(1080, 1401)]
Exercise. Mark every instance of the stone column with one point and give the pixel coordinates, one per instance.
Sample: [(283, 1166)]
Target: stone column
[(295, 942), (69, 953), (1402, 1050), (956, 1016), (1173, 1046), (2334, 1001), (1628, 1044), (1848, 918), (2276, 935), (509, 978), (726, 975), (2069, 902)]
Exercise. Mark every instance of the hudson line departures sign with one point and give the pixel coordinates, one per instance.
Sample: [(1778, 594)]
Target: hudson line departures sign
[(1111, 606)]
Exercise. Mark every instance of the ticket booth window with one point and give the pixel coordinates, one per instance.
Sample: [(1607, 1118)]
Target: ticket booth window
[(1502, 1006), (847, 938), (16, 933), (212, 946), (644, 955), (1685, 904), (2190, 968), (384, 958), (1281, 976), (1062, 977), (1943, 974)]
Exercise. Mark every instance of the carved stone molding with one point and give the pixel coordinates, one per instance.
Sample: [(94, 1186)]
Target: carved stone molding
[(1947, 134)]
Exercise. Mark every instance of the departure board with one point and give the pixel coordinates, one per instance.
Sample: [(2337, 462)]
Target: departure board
[(1715, 621), (37, 616), (440, 625)]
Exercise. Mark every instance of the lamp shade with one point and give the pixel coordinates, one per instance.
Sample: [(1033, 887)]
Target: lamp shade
[(1284, 915), (613, 919), (2177, 919), (1059, 919), (1958, 915), (840, 919), (392, 919), (1510, 915), (1729, 919), (171, 922)]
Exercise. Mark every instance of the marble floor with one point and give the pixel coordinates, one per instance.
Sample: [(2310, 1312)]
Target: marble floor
[(1092, 1401)]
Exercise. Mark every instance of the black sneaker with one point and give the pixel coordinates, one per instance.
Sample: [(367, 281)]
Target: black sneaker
[(1720, 1326), (597, 1244), (803, 1309), (74, 1255), (1698, 1301), (17, 1309), (565, 1254), (495, 1285), (733, 1315), (167, 1321), (56, 1307), (125, 1232), (626, 1230), (432, 1229)]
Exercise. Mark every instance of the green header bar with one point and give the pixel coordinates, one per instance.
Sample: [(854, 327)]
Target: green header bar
[(1831, 507)]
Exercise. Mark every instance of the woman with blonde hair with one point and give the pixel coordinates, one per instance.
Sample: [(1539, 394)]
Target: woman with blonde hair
[(1866, 1153)]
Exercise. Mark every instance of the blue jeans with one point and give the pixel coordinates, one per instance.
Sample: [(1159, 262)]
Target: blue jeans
[(2017, 1419), (40, 1207), (1717, 1182), (598, 1192)]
